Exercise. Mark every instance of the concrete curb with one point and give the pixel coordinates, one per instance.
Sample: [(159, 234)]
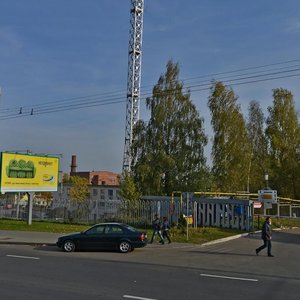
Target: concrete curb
[(229, 238), (235, 237)]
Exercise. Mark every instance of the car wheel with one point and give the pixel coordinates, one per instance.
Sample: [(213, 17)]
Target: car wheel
[(124, 247), (69, 246)]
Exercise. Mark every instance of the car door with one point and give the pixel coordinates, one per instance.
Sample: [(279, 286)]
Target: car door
[(94, 238), (113, 234)]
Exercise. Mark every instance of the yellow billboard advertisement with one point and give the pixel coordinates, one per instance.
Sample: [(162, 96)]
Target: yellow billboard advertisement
[(28, 173)]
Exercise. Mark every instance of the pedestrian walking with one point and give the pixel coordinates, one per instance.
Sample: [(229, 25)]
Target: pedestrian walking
[(266, 235), (156, 229), (165, 229)]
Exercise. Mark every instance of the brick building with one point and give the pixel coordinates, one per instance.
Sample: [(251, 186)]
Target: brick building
[(104, 200), (96, 177)]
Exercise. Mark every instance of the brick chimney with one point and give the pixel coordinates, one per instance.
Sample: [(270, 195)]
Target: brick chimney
[(73, 165)]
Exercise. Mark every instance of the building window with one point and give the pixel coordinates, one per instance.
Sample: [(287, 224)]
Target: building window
[(110, 194), (102, 194), (95, 192)]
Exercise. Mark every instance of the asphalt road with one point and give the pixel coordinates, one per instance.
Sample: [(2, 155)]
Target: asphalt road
[(230, 270)]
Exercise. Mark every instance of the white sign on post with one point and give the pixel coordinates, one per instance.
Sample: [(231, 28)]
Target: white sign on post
[(268, 205), (267, 196)]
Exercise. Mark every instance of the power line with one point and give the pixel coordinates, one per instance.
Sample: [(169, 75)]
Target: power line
[(64, 100), (117, 97), (253, 76), (122, 92), (254, 81), (247, 68), (100, 102)]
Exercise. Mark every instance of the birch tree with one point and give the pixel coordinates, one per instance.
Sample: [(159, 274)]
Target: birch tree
[(283, 132), (230, 150), (168, 150)]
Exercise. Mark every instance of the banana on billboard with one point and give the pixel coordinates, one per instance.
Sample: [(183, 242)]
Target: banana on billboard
[(28, 173)]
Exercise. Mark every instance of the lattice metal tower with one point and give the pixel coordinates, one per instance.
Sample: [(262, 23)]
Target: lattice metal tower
[(134, 77)]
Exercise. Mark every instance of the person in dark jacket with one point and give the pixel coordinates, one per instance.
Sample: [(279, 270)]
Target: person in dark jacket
[(266, 235), (165, 229), (156, 229)]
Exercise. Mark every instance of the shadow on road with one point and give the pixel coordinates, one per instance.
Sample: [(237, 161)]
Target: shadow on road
[(47, 248), (222, 253), (288, 237)]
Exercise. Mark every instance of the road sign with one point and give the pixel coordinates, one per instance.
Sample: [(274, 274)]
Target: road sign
[(257, 204), (269, 196)]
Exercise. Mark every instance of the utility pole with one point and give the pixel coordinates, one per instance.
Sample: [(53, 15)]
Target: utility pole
[(134, 77)]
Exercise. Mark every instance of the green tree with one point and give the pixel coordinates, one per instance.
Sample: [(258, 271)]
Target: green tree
[(259, 158), (129, 191), (79, 195), (283, 133), (66, 178), (168, 151), (130, 195), (230, 151)]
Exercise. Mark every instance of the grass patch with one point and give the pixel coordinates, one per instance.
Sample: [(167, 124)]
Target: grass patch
[(40, 226), (201, 235), (280, 222), (196, 235), (277, 222)]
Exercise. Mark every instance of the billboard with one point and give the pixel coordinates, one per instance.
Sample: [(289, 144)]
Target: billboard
[(28, 173)]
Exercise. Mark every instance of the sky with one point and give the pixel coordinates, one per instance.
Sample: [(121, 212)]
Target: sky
[(55, 52)]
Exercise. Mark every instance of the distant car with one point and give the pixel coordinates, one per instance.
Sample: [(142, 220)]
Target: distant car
[(104, 236)]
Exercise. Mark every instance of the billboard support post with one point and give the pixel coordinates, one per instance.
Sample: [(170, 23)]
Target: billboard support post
[(18, 205), (30, 205), (187, 215)]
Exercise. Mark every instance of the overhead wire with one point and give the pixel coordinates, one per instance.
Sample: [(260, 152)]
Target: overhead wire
[(95, 96), (114, 97)]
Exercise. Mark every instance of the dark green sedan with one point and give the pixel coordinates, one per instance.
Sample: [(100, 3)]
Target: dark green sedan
[(104, 236)]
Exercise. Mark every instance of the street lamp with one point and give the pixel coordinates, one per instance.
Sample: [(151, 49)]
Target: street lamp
[(267, 181)]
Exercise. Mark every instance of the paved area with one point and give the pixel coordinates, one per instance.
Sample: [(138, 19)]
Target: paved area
[(28, 237), (227, 270), (46, 238), (49, 239)]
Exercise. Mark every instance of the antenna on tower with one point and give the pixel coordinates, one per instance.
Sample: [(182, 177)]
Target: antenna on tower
[(134, 77)]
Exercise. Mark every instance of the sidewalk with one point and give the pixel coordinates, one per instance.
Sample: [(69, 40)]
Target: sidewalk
[(28, 237), (49, 239)]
